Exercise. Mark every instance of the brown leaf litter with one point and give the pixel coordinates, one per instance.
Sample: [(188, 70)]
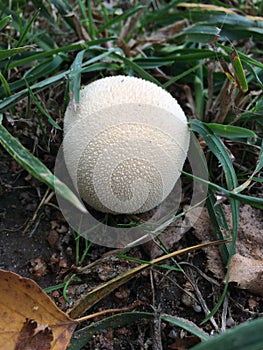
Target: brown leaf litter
[(28, 317), (246, 268)]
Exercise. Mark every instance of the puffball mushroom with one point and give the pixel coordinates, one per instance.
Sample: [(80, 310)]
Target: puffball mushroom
[(125, 144)]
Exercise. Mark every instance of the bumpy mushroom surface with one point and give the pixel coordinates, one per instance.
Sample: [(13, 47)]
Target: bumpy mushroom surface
[(125, 144)]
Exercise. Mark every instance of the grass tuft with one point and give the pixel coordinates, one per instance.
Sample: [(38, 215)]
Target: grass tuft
[(208, 56)]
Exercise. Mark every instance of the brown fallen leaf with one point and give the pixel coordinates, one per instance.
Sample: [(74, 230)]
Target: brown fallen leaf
[(26, 310), (167, 32), (135, 45), (250, 238), (38, 267), (34, 336), (185, 343), (249, 244), (246, 267), (247, 273)]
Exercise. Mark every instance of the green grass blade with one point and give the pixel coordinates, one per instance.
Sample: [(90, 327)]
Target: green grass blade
[(92, 28), (159, 15), (84, 335), (259, 166), (53, 288), (190, 55), (42, 110), (217, 147), (231, 131), (140, 261), (62, 6), (222, 296), (4, 54), (75, 78), (35, 167), (65, 10), (255, 72), (9, 101), (243, 57), (45, 12), (198, 33), (60, 50), (5, 85), (260, 160), (247, 336), (26, 29), (136, 68), (218, 221), (253, 201), (4, 21), (45, 68), (240, 76), (180, 76), (121, 17), (186, 325)]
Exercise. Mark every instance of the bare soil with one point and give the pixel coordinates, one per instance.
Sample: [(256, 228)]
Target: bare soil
[(36, 242)]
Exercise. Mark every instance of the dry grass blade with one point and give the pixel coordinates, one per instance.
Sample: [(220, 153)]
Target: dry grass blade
[(100, 292)]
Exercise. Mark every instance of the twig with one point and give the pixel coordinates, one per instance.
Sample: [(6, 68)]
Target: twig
[(165, 275), (202, 301), (201, 273), (157, 336), (224, 313), (43, 201), (109, 311), (152, 287)]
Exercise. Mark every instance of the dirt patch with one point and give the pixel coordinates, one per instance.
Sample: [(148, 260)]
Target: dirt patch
[(45, 252)]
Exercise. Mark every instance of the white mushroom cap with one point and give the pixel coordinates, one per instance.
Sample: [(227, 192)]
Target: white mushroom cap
[(125, 145)]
